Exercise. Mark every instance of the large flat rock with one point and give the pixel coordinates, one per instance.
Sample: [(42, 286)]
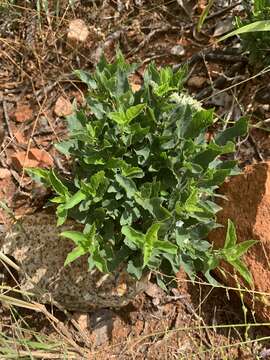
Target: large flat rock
[(38, 249)]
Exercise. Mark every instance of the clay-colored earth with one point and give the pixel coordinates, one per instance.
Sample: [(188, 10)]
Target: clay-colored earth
[(248, 206)]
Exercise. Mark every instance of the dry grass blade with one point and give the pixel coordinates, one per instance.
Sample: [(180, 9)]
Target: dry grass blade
[(42, 347)]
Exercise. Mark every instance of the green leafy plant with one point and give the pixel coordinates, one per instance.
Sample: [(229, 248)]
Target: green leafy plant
[(254, 31), (233, 251), (143, 174)]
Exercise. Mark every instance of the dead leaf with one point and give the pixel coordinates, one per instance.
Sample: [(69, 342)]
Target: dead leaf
[(36, 158), (42, 156), (63, 107), (22, 113)]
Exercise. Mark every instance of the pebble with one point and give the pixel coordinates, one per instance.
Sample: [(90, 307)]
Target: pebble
[(178, 50), (196, 81)]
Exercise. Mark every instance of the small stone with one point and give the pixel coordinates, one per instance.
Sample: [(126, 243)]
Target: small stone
[(22, 113), (63, 107), (223, 99), (77, 31), (101, 325), (178, 50), (223, 27), (196, 82)]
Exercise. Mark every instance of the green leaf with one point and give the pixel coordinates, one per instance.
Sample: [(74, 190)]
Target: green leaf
[(134, 111), (150, 238), (204, 158), (57, 184), (124, 118), (164, 89), (240, 128), (65, 147), (231, 238), (75, 199), (211, 280), (199, 121), (74, 254), (86, 78), (41, 175), (90, 231), (61, 213), (166, 246), (154, 206), (96, 187), (242, 270), (100, 261), (191, 204), (263, 25), (143, 153), (127, 184), (135, 270), (77, 237), (133, 236), (161, 283), (58, 200), (132, 172), (126, 169), (119, 117), (217, 178), (235, 252), (204, 14)]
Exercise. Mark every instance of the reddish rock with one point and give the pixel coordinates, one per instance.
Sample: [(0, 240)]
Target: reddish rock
[(36, 158), (23, 113), (248, 206), (63, 107)]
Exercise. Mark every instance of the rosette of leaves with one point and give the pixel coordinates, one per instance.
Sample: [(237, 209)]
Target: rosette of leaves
[(143, 175)]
